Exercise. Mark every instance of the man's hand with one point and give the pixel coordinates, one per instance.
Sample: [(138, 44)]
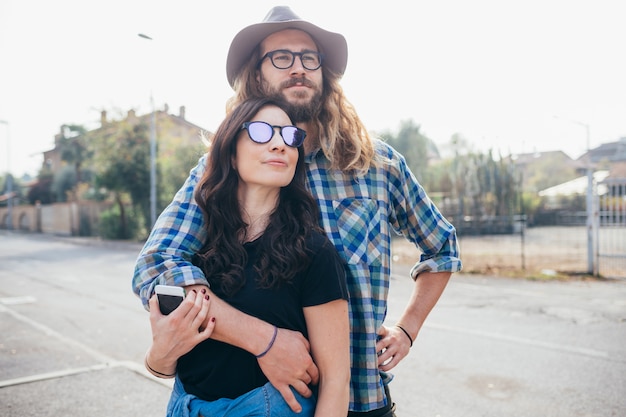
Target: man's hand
[(289, 364), (393, 345)]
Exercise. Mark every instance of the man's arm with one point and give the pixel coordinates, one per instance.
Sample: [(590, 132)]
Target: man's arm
[(178, 233), (427, 289), (421, 222)]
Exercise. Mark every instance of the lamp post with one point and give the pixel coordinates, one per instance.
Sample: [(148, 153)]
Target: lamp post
[(9, 180), (592, 229), (153, 141), (590, 223)]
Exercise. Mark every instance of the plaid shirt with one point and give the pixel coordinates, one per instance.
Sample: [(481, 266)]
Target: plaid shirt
[(359, 215)]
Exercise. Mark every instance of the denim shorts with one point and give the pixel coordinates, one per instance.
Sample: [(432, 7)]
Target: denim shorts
[(264, 401)]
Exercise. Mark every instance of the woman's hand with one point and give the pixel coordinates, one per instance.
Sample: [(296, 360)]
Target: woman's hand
[(177, 333)]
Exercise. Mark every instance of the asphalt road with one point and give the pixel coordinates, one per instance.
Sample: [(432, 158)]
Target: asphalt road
[(73, 336)]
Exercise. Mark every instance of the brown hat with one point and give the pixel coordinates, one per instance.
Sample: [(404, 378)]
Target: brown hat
[(332, 45)]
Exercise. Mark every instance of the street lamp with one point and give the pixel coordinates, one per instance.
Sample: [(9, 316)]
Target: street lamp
[(9, 180), (153, 141), (590, 223)]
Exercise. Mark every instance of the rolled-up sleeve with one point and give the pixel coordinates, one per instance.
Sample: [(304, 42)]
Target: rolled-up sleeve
[(417, 218)]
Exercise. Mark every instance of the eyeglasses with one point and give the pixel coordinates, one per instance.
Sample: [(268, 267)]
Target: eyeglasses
[(262, 132), (284, 59)]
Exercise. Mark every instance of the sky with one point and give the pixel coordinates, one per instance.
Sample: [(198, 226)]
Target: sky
[(510, 76)]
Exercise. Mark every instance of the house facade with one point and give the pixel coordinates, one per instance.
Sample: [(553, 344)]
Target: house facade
[(172, 131)]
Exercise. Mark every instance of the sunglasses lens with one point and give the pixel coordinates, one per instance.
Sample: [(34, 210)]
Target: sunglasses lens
[(293, 136), (260, 132)]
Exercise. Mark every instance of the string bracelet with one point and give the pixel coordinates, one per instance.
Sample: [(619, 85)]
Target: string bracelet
[(269, 346), (406, 333), (155, 372)]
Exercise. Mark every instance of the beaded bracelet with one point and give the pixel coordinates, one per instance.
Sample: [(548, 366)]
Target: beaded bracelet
[(406, 333), (267, 349)]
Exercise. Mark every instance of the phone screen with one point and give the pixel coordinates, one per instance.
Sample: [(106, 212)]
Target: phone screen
[(168, 303)]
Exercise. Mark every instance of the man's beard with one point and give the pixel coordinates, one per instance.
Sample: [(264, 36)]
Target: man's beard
[(302, 111)]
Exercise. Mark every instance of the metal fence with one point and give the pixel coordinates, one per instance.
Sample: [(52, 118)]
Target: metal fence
[(610, 233), (542, 250), (597, 247)]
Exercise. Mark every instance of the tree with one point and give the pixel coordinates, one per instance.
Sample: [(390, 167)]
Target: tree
[(174, 171), (63, 183), (41, 191), (73, 148), (486, 191), (415, 146), (75, 152), (122, 161), (176, 157)]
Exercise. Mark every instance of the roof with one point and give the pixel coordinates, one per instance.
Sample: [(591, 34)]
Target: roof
[(576, 186), (611, 151)]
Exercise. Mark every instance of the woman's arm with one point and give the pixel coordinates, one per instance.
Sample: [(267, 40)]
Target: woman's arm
[(287, 364), (329, 335)]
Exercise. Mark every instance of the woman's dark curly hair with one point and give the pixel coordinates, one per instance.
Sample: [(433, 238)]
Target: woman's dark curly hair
[(282, 248)]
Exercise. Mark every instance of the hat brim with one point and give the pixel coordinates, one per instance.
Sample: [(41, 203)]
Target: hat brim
[(332, 45)]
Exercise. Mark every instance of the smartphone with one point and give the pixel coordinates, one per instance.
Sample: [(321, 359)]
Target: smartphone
[(170, 297)]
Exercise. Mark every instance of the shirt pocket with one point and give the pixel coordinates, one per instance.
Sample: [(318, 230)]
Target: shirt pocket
[(359, 225)]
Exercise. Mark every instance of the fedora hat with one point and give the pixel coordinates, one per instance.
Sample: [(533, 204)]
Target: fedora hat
[(332, 45)]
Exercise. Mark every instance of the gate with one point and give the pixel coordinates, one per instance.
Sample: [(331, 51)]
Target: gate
[(610, 236)]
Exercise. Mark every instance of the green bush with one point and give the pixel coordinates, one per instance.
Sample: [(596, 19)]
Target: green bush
[(111, 226)]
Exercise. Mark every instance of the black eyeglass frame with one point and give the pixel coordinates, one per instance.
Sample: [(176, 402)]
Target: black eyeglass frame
[(245, 126), (270, 55)]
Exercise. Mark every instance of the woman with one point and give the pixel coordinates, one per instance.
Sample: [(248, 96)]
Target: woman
[(265, 255)]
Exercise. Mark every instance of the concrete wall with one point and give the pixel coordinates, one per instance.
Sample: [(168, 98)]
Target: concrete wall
[(67, 219), (25, 218)]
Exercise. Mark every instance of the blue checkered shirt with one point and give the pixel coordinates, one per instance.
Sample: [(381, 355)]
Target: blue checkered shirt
[(359, 215)]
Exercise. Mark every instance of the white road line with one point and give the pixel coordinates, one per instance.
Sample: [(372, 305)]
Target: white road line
[(100, 357), (132, 366), (106, 361), (51, 375), (11, 301)]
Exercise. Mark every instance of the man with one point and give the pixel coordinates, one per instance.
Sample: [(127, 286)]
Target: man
[(365, 192)]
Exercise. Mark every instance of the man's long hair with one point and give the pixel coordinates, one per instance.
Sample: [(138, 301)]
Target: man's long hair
[(282, 248), (339, 132)]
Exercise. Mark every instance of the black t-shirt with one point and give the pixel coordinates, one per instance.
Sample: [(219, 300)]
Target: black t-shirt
[(214, 370)]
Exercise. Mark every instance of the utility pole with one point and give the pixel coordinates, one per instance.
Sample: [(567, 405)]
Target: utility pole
[(592, 227), (153, 140)]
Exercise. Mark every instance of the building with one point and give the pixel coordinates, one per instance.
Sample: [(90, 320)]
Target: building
[(172, 131), (606, 154)]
